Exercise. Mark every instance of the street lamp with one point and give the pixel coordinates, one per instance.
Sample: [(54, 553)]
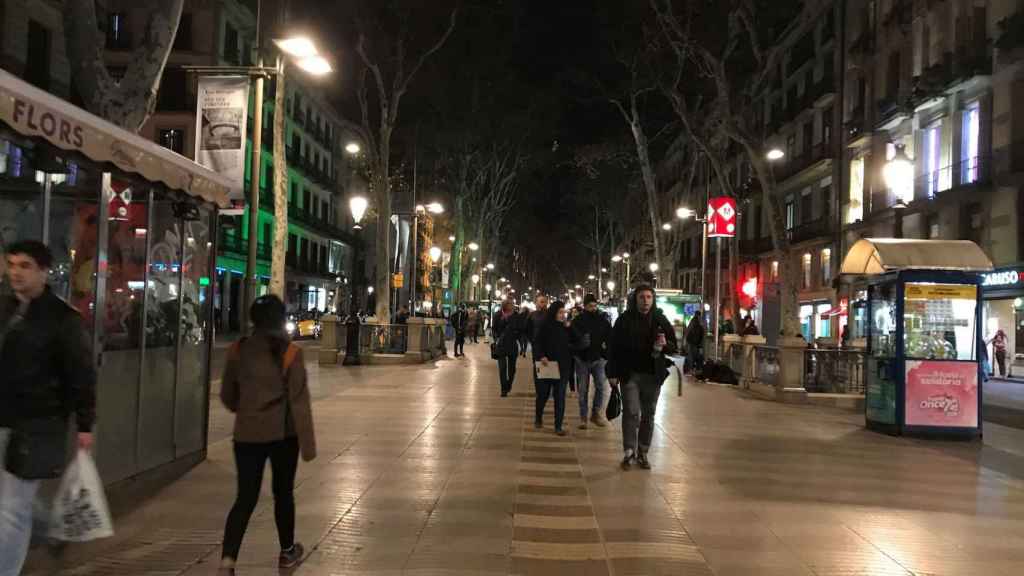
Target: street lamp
[(433, 208), (353, 148), (684, 213), (435, 254), (451, 238), (611, 286), (474, 246), (358, 206), (590, 277), (899, 177), (475, 278), (653, 266), (616, 258), (490, 266), (775, 154), (666, 227)]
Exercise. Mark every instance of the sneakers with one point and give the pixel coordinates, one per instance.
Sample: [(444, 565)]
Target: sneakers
[(583, 426), (598, 420), (291, 558), (642, 460), (561, 432), (627, 462)]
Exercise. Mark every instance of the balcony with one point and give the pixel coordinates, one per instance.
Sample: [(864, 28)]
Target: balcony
[(810, 230), (235, 244), (966, 173), (817, 153), (756, 246)]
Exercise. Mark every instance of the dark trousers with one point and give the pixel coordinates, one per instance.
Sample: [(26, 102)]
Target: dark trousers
[(545, 388), (460, 343), (250, 460), (507, 372), (1001, 361), (639, 401)]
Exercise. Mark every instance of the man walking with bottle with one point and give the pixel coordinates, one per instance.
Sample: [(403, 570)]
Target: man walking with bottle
[(641, 338)]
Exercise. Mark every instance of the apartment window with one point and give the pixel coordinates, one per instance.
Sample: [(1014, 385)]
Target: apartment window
[(932, 157), (790, 213), (172, 139), (117, 33), (808, 138), (969, 144), (806, 268), (826, 266), (774, 271), (174, 94), (806, 206), (306, 201), (183, 38), (231, 44), (892, 78), (826, 128), (37, 60), (933, 226)]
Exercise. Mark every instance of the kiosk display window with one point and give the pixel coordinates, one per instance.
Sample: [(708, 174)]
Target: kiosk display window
[(880, 391)]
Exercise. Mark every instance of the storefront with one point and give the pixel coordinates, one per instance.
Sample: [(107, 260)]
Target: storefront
[(132, 229), (1003, 309)]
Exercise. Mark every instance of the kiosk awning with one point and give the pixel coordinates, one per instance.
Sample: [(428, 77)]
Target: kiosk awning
[(879, 255), (33, 112)]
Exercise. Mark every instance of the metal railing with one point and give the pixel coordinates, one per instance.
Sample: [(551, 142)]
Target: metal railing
[(383, 338), (967, 172), (833, 371), (767, 358), (734, 354)]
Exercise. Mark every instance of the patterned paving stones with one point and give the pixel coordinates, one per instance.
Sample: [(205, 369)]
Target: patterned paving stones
[(426, 471)]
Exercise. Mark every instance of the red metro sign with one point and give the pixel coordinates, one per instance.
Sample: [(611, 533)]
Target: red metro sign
[(722, 217)]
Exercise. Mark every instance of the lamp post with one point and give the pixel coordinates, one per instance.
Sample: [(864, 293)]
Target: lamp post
[(899, 177)]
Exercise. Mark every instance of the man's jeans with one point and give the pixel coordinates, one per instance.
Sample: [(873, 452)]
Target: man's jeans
[(639, 401), (602, 391), (16, 498)]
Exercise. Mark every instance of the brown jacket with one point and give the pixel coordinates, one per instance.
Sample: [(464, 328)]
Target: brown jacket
[(253, 388)]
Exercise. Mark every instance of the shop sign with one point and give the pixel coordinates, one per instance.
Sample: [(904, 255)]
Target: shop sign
[(941, 292), (941, 393), (1001, 279)]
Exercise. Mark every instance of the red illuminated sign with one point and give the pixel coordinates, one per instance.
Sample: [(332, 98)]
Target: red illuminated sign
[(722, 217)]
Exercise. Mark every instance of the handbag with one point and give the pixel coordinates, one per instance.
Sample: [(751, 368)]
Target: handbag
[(614, 408), (37, 449)]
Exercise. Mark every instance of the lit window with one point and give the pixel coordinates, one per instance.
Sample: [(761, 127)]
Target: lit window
[(774, 271), (806, 271), (969, 147), (826, 266), (855, 209), (932, 157)]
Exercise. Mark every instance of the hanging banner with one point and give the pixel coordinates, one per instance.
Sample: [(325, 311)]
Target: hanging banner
[(221, 125)]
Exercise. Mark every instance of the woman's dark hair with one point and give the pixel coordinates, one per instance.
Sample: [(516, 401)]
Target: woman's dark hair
[(554, 308), (268, 315)]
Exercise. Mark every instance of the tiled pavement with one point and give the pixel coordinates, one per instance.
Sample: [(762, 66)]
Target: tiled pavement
[(426, 471)]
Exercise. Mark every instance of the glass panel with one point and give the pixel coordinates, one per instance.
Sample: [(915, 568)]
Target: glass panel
[(120, 338), (196, 325), (824, 328), (21, 198), (156, 410), (74, 233), (880, 391), (939, 321)]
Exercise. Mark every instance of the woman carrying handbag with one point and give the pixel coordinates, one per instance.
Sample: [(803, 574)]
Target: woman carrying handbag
[(264, 384)]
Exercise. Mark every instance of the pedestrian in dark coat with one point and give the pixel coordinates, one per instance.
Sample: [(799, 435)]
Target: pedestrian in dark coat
[(505, 345), (460, 323), (552, 345)]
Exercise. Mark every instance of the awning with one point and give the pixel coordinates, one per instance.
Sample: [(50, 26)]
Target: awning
[(879, 255), (33, 112)]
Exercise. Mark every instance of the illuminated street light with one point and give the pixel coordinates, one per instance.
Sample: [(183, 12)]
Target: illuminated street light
[(451, 238), (298, 47), (666, 227), (353, 148), (654, 266), (369, 289), (315, 65), (474, 246), (488, 287), (490, 266), (590, 277), (604, 270), (775, 154), (435, 208), (610, 285), (358, 205), (435, 254), (684, 213), (899, 175), (625, 255), (475, 278), (616, 258)]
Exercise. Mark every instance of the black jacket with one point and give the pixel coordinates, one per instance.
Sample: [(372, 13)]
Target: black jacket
[(552, 342), (534, 322), (506, 334), (597, 326), (459, 321), (632, 343), (47, 368)]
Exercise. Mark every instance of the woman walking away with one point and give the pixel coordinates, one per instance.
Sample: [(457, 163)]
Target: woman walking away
[(505, 346), (552, 347), (999, 344), (264, 384)]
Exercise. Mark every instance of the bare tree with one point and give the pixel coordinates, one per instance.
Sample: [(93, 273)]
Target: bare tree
[(740, 67), (130, 101), (389, 68)]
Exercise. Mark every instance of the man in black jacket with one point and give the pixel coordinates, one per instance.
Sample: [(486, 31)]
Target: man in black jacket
[(591, 330), (641, 338), (460, 322), (505, 347), (47, 376)]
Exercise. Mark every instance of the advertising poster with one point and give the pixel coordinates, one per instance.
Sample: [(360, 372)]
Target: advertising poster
[(941, 393), (221, 124)]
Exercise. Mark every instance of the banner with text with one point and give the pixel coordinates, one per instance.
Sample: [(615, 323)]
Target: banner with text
[(221, 125), (941, 393)]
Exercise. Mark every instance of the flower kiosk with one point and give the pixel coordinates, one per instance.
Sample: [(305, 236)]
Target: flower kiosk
[(132, 227), (924, 345)]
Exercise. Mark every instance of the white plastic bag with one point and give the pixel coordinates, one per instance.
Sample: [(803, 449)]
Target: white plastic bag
[(80, 511)]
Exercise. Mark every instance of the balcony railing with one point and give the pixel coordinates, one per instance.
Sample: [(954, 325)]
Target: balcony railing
[(968, 172), (817, 153), (810, 230), (383, 338), (755, 246), (235, 244)]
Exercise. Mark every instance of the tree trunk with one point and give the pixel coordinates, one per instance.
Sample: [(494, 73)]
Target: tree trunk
[(280, 244), (382, 192), (650, 185)]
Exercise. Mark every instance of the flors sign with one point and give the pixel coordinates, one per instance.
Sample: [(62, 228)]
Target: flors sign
[(722, 217), (47, 123)]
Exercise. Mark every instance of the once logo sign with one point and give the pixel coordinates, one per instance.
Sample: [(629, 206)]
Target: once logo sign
[(50, 124)]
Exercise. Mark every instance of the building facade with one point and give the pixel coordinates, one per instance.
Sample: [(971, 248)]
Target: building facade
[(321, 252)]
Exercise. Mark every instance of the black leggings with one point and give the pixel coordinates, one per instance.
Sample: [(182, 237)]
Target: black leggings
[(250, 459)]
